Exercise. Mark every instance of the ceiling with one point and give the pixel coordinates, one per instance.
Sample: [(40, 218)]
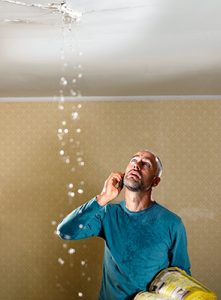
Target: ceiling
[(110, 48)]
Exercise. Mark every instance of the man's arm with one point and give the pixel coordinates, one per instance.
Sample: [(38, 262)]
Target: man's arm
[(178, 253), (86, 220), (83, 222)]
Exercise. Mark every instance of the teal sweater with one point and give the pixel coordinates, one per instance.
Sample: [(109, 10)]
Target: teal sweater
[(137, 244)]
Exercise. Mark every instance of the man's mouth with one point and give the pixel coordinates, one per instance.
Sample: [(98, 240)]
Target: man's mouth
[(134, 174)]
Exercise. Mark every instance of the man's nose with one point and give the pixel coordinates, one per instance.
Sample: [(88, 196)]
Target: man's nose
[(137, 165)]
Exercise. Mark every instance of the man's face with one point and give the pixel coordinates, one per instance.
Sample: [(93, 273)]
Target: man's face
[(140, 172)]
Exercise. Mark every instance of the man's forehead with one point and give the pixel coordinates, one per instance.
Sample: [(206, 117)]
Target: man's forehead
[(145, 154)]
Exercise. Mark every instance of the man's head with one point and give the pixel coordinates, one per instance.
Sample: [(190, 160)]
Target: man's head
[(143, 171)]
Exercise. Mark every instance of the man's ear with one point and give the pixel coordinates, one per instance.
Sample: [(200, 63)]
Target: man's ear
[(156, 181)]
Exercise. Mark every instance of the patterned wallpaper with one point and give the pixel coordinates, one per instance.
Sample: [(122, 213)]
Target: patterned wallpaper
[(39, 186)]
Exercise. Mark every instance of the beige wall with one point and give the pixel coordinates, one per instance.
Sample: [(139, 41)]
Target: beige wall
[(33, 190)]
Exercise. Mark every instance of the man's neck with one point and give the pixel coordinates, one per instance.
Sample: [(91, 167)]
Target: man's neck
[(136, 201)]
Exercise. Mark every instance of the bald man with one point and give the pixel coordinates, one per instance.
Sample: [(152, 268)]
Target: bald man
[(141, 236)]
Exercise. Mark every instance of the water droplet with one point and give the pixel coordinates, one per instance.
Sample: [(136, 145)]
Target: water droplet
[(65, 245), (80, 294), (61, 152), (65, 130), (71, 251), (61, 107), (79, 159), (64, 123), (60, 130), (73, 92), (71, 194), (83, 262), (82, 182), (61, 261), (73, 169), (78, 130), (80, 191), (67, 160), (70, 186), (74, 80), (89, 278), (81, 226), (71, 140), (81, 163), (74, 115), (79, 105), (67, 237), (80, 75), (53, 222), (63, 81)]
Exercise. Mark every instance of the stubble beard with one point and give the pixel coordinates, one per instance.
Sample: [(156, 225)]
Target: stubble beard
[(134, 186)]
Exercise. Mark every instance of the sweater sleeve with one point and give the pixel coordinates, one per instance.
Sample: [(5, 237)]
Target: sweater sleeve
[(178, 254), (85, 221)]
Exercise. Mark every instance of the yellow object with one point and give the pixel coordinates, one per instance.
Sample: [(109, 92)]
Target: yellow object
[(149, 296), (174, 283)]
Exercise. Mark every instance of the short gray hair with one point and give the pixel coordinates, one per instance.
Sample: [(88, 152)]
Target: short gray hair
[(159, 166), (159, 163)]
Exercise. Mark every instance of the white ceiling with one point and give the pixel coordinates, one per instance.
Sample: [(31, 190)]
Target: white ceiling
[(142, 47)]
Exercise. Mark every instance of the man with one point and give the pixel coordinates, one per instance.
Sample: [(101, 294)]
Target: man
[(141, 236)]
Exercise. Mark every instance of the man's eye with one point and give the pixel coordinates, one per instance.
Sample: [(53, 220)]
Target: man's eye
[(147, 164)]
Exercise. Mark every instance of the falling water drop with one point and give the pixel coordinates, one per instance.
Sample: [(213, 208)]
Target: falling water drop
[(79, 105), (61, 152), (65, 130), (70, 185), (83, 262), (71, 251), (71, 194), (78, 130), (64, 123), (80, 75), (61, 107), (53, 222), (81, 226), (73, 92), (74, 115), (80, 191), (80, 294), (61, 261), (67, 160), (63, 81)]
